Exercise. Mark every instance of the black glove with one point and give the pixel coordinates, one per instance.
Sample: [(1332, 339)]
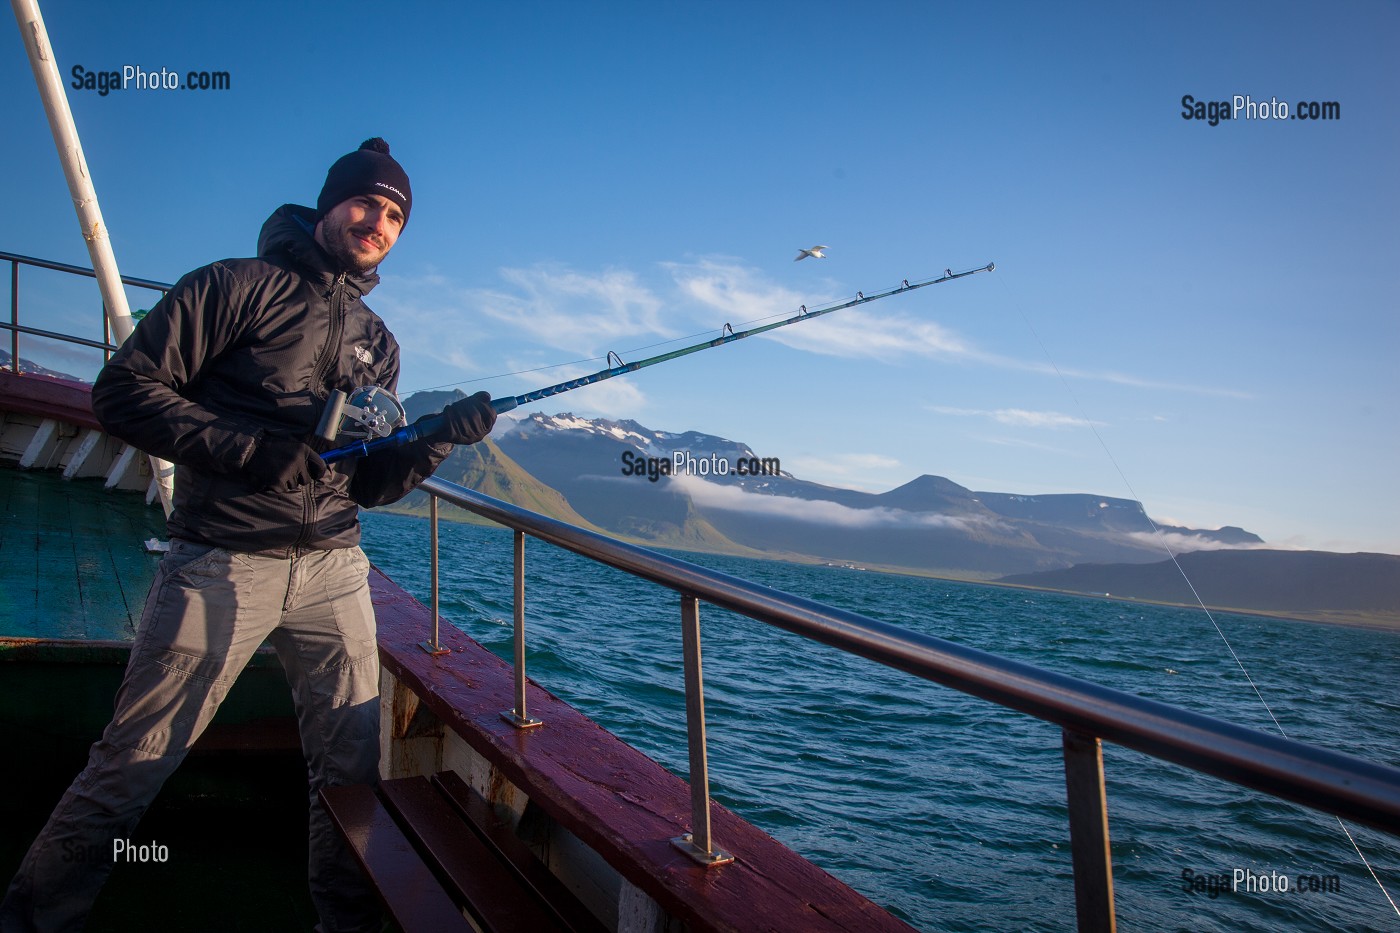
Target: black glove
[(284, 463), (467, 420)]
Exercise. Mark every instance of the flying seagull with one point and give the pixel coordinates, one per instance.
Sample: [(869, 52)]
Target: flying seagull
[(815, 252)]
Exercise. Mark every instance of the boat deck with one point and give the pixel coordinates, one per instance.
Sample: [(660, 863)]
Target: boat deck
[(73, 579), (71, 557)]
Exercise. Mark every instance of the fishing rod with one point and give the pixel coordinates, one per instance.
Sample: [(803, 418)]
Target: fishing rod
[(375, 411)]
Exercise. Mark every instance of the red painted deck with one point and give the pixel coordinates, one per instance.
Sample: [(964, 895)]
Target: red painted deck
[(614, 798)]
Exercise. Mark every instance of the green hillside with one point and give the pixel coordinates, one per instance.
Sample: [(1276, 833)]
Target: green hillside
[(484, 468)]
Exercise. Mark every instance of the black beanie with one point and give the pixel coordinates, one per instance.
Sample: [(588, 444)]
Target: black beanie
[(368, 170)]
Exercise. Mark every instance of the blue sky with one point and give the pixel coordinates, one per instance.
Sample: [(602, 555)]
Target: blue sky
[(1219, 302)]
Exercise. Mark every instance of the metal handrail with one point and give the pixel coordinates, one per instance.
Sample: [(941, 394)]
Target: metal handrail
[(54, 335), (81, 270), (1346, 785), (1321, 779), (15, 328)]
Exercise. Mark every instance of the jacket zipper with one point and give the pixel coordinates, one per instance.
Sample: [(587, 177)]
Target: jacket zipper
[(337, 321), (329, 353)]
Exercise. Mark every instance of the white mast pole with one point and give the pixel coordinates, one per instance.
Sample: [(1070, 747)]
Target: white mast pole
[(70, 153)]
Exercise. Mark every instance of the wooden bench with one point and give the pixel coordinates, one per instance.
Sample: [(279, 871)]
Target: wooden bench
[(436, 849), (605, 812)]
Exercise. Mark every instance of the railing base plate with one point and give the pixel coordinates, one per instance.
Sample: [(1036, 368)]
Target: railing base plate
[(520, 722), (434, 650), (687, 845)]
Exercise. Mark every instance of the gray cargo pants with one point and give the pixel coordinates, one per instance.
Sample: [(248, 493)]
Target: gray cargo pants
[(207, 612)]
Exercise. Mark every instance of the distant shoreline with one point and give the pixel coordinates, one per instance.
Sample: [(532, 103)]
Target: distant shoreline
[(1346, 618)]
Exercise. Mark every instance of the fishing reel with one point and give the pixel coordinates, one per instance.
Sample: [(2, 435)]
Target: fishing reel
[(366, 414)]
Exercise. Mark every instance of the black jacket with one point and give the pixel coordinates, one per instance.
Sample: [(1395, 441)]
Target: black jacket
[(247, 347)]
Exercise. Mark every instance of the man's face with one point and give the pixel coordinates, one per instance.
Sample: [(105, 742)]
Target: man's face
[(359, 232)]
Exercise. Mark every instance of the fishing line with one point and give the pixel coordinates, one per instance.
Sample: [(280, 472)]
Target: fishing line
[(1166, 546), (518, 372)]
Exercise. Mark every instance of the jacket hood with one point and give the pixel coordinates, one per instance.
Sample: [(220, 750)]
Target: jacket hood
[(289, 234)]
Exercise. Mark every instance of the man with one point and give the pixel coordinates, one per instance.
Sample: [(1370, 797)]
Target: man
[(227, 378)]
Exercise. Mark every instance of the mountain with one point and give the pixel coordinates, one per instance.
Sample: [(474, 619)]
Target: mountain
[(487, 468), (584, 460), (32, 368), (484, 468), (686, 490)]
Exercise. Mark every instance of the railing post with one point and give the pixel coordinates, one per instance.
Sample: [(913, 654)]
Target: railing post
[(14, 316), (697, 843), (433, 647), (1088, 832), (518, 717)]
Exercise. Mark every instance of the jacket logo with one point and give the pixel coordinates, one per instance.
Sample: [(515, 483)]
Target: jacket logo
[(364, 355)]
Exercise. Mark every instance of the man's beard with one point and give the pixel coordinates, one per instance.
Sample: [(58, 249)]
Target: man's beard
[(337, 242)]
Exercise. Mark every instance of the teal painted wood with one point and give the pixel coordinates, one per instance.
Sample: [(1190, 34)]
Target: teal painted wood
[(72, 563)]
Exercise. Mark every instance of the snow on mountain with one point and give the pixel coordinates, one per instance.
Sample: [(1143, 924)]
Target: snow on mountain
[(661, 444), (619, 476)]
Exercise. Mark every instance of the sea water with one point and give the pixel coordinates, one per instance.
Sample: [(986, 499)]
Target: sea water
[(945, 809)]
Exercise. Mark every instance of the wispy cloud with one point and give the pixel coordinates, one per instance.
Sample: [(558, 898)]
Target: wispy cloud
[(850, 470), (851, 333), (861, 334), (1113, 377), (735, 499), (1023, 444), (1019, 417), (1183, 543), (431, 317), (547, 305), (593, 312), (738, 291), (735, 289), (848, 463), (577, 311)]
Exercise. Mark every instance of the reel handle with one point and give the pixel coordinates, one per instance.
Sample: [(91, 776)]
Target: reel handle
[(329, 425)]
